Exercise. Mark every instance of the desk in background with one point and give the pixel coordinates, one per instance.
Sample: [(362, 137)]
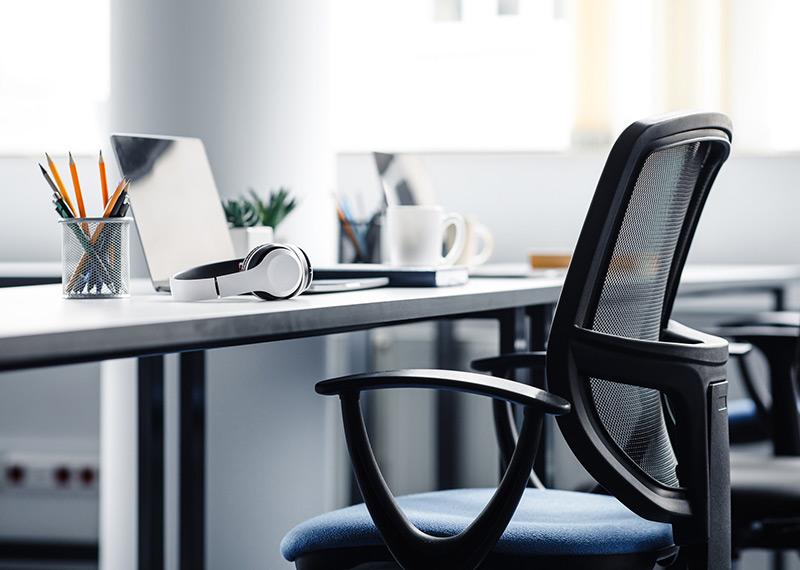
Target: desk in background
[(16, 274)]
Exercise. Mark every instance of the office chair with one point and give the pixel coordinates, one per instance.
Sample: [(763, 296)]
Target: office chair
[(611, 344), (766, 490), (754, 418)]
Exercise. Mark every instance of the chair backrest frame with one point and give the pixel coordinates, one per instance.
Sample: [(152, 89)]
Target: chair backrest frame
[(692, 505)]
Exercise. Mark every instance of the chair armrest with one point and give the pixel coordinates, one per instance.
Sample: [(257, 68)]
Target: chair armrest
[(480, 384), (410, 547), (506, 362)]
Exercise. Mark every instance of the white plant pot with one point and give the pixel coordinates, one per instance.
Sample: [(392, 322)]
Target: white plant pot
[(246, 239)]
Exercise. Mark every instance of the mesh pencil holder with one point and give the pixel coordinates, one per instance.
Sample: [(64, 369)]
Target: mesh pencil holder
[(95, 257)]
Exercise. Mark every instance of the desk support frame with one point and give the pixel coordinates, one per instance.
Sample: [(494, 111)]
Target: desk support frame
[(192, 467), (150, 546)]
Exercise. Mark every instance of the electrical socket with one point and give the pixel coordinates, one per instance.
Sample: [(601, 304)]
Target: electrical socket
[(56, 473)]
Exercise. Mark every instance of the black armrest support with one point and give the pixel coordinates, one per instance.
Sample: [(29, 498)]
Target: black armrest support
[(410, 547), (505, 362), (480, 384)]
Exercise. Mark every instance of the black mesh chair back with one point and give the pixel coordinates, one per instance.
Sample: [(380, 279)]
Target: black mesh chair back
[(621, 285), (665, 196)]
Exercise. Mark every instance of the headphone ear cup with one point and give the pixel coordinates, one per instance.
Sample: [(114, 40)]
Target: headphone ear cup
[(308, 271), (258, 254), (252, 260)]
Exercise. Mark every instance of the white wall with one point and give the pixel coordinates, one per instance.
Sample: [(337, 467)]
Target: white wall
[(534, 201)]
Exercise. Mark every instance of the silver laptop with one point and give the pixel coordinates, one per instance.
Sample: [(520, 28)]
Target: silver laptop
[(175, 203)]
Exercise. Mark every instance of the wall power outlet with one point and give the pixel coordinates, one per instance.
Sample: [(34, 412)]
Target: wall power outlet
[(56, 473)]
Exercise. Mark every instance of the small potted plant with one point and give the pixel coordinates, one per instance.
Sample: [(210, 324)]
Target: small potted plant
[(252, 221)]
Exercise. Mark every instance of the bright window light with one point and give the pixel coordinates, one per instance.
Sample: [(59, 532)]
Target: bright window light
[(451, 75), (54, 75)]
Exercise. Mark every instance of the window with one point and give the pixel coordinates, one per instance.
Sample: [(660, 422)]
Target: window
[(54, 75), (528, 75), (451, 74)]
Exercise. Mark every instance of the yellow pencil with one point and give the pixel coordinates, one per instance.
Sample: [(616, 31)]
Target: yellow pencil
[(59, 182), (76, 185), (103, 179)]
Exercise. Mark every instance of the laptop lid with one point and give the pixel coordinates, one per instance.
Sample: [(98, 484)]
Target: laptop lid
[(175, 203)]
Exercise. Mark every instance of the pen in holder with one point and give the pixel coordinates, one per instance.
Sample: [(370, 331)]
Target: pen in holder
[(95, 257), (359, 242)]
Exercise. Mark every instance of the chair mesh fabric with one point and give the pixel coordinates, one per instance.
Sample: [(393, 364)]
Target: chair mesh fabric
[(632, 298)]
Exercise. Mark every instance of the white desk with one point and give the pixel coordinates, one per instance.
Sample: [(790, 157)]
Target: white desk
[(39, 328)]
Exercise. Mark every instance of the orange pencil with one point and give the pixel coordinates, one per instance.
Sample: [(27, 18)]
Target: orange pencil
[(103, 179), (76, 186), (59, 182), (110, 206)]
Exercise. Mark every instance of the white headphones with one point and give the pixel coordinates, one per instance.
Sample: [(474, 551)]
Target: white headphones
[(271, 271)]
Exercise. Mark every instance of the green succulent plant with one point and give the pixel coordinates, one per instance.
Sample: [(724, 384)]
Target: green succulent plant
[(252, 210), (240, 213)]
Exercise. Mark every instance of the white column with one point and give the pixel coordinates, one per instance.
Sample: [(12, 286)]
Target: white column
[(249, 77), (118, 482)]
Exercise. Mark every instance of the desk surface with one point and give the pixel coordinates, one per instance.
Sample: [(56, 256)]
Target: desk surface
[(38, 327), (715, 278)]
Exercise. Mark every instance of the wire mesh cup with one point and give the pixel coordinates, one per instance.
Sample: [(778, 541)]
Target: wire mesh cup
[(95, 257)]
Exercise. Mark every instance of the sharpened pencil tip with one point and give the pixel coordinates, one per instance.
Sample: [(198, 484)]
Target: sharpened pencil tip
[(101, 154), (47, 156), (70, 157)]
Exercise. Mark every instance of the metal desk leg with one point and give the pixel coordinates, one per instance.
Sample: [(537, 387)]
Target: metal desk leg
[(512, 339), (192, 468), (448, 411), (779, 299), (151, 462), (512, 331), (541, 316)]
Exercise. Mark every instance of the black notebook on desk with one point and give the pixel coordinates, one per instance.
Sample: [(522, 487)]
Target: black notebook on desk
[(398, 276)]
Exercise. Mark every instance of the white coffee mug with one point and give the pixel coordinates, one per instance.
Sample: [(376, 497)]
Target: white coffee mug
[(415, 236), (479, 244)]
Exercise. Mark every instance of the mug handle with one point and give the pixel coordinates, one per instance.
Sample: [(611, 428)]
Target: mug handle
[(460, 241), (487, 241)]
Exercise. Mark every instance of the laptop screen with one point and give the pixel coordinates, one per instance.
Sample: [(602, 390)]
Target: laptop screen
[(175, 203)]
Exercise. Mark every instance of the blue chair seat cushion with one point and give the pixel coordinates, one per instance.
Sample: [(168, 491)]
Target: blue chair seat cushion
[(546, 523), (742, 414)]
